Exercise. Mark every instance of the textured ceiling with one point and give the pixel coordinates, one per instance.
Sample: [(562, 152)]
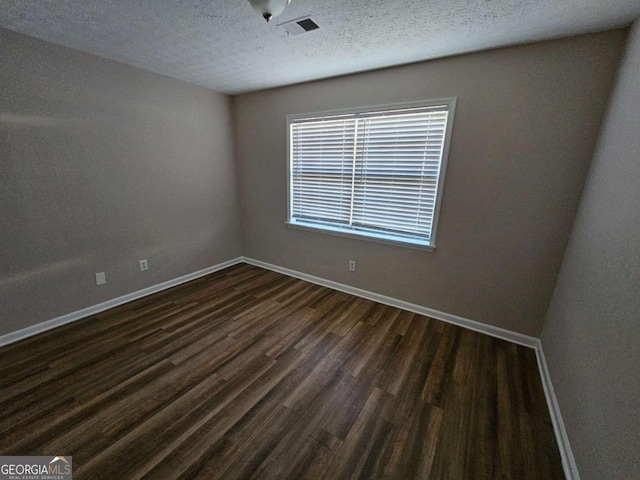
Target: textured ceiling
[(226, 46)]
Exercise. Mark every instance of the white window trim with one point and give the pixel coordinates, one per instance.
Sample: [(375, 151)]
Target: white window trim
[(372, 237)]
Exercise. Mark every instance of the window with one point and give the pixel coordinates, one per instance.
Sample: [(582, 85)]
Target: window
[(375, 172)]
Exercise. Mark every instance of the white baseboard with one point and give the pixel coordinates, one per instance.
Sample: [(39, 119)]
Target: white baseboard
[(101, 307), (566, 454), (491, 330)]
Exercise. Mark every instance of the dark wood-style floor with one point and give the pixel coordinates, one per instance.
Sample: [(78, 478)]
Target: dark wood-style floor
[(246, 373)]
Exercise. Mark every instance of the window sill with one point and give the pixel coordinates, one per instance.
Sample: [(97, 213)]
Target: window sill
[(367, 238)]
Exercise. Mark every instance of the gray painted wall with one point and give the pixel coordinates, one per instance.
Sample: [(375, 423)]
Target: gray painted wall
[(101, 165), (591, 336), (525, 128)]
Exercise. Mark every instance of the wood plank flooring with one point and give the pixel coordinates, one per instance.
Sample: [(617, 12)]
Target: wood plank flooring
[(246, 373)]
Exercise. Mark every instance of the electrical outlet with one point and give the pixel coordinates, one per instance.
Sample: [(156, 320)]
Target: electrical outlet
[(144, 265), (352, 265), (101, 278)]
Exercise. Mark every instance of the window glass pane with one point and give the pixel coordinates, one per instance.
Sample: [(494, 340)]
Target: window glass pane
[(371, 172), (322, 169)]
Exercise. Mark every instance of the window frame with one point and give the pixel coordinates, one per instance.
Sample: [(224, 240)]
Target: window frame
[(373, 236)]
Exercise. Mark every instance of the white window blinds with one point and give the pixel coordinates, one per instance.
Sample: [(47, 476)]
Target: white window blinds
[(376, 173)]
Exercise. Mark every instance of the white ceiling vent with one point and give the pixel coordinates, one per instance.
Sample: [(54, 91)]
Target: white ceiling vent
[(298, 26)]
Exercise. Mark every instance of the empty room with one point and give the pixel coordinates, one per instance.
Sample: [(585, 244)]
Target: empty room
[(314, 239)]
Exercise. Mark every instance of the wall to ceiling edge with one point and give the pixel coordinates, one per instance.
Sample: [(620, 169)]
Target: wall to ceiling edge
[(106, 164)]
